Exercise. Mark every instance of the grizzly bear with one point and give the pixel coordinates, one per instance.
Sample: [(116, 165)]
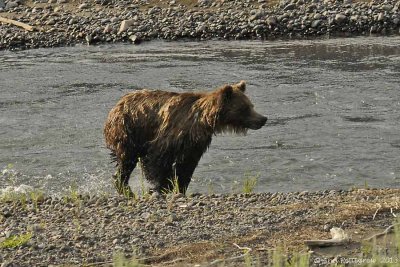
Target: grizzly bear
[(168, 132)]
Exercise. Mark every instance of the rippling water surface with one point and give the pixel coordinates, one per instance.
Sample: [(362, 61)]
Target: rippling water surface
[(333, 108)]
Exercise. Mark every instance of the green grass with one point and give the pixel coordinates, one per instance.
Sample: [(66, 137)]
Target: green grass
[(14, 197), (174, 190), (277, 258), (378, 255), (16, 240), (372, 254), (20, 198), (119, 260), (249, 183)]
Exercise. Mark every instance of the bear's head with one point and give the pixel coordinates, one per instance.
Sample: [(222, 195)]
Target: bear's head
[(236, 112)]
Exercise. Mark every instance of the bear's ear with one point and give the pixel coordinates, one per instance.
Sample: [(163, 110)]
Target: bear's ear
[(241, 86), (226, 92)]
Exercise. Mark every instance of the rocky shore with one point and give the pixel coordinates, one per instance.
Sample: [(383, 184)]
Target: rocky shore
[(68, 22), (182, 231)]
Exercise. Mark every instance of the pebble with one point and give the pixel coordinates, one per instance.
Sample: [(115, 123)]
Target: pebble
[(83, 6)]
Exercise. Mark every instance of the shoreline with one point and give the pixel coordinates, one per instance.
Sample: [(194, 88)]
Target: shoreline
[(177, 230), (68, 22)]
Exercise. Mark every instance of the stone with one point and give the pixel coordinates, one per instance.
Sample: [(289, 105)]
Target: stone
[(10, 5), (146, 215), (373, 29), (303, 193), (172, 218), (103, 2), (354, 18), (271, 20), (387, 7), (6, 264), (315, 23), (83, 6), (125, 24), (339, 18), (153, 10), (2, 4), (108, 29), (136, 40), (317, 16), (380, 17), (289, 7)]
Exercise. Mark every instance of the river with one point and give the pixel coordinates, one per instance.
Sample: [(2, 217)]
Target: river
[(333, 107)]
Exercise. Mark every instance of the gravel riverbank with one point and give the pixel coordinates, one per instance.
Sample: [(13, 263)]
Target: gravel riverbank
[(68, 22), (178, 230)]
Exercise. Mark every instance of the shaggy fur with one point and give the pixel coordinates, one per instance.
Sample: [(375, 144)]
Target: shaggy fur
[(169, 132)]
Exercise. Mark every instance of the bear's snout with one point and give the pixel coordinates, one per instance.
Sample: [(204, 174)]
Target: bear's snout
[(258, 122)]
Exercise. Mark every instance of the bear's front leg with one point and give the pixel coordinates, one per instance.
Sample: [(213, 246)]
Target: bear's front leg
[(159, 172), (185, 168)]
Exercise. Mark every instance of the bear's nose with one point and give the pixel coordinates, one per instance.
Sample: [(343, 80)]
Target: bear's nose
[(264, 120)]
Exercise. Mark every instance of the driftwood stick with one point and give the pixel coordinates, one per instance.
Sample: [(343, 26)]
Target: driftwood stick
[(17, 23), (339, 237), (326, 243)]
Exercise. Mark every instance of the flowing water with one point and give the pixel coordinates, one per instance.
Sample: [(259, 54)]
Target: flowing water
[(333, 109)]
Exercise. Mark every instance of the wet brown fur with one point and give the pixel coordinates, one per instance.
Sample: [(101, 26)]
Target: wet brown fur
[(170, 131)]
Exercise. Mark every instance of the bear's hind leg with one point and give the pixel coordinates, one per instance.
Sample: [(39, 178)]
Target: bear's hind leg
[(121, 177)]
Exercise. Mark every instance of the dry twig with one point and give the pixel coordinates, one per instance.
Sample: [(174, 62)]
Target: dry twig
[(376, 212), (387, 231), (391, 211), (248, 250)]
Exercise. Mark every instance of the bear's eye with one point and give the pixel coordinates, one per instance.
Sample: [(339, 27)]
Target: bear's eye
[(245, 109)]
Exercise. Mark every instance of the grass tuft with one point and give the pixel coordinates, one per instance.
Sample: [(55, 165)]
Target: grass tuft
[(16, 240), (174, 190), (250, 183)]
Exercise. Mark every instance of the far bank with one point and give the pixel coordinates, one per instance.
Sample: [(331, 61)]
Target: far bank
[(64, 23)]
